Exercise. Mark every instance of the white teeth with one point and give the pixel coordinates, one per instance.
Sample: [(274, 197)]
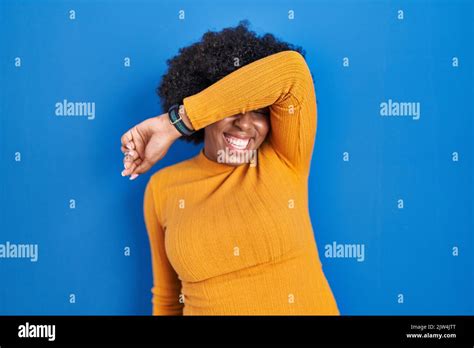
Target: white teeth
[(237, 142)]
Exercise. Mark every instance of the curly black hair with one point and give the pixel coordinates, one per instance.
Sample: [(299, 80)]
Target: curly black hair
[(205, 62)]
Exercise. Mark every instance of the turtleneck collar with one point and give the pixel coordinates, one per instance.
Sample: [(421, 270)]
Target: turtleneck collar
[(213, 166)]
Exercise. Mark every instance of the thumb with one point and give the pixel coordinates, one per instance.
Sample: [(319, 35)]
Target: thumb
[(143, 167)]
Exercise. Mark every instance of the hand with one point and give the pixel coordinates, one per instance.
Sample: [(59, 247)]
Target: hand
[(147, 143)]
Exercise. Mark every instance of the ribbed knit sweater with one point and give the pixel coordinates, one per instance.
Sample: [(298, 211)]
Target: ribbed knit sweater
[(238, 240)]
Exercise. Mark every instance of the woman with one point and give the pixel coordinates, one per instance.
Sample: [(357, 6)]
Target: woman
[(231, 234)]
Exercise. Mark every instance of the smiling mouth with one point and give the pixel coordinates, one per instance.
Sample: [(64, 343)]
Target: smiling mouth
[(237, 143)]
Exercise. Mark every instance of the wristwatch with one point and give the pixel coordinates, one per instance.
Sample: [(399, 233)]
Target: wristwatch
[(177, 121)]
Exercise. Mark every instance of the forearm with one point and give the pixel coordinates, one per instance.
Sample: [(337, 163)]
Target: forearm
[(283, 82), (264, 82)]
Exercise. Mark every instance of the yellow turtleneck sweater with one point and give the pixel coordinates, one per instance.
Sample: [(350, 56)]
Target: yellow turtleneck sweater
[(231, 240)]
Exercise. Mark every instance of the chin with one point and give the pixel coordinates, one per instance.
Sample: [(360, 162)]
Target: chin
[(236, 156)]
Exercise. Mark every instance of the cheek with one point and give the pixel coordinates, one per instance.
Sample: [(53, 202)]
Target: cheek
[(213, 132), (219, 127), (263, 127)]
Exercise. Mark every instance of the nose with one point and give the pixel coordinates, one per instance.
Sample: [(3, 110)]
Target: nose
[(244, 121)]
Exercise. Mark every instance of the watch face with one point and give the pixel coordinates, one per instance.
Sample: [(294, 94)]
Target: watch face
[(181, 109)]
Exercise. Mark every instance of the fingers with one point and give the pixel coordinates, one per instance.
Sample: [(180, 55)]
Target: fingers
[(134, 165), (143, 167), (131, 169), (128, 163), (134, 145), (132, 158), (129, 147), (126, 137), (127, 141)]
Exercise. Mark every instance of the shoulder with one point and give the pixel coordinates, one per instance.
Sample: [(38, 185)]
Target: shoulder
[(172, 174)]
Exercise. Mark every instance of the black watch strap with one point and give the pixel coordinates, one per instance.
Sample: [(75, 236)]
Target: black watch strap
[(177, 121)]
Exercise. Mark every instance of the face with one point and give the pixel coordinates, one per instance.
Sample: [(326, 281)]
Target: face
[(235, 138)]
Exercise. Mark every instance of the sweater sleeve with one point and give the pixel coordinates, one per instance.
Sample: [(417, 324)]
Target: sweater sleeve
[(283, 82), (166, 284)]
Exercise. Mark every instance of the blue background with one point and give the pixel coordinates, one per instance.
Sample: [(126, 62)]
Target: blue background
[(81, 251)]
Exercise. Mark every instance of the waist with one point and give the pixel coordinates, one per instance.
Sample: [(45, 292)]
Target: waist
[(292, 285)]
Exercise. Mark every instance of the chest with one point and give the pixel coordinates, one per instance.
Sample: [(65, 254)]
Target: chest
[(231, 223)]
